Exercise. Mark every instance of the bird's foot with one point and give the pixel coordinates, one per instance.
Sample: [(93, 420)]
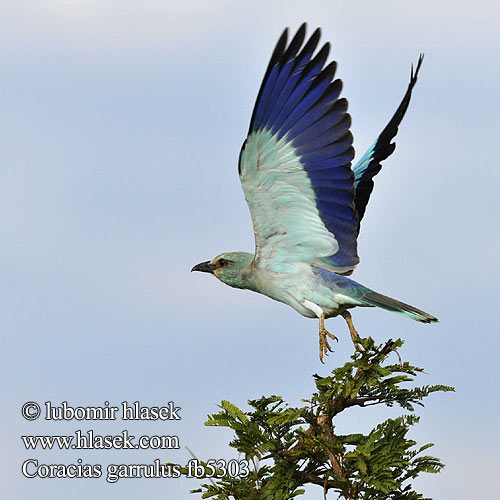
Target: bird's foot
[(354, 334), (324, 345)]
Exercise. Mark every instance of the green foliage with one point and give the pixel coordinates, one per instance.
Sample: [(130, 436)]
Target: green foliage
[(287, 448)]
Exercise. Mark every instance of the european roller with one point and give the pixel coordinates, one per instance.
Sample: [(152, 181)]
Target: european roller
[(305, 199)]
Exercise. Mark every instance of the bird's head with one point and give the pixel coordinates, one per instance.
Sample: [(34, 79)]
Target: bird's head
[(232, 268)]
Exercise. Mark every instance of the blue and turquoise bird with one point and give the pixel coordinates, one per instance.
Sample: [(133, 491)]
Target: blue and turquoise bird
[(305, 200)]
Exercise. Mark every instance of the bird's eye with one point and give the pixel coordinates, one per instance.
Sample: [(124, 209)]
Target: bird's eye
[(221, 262)]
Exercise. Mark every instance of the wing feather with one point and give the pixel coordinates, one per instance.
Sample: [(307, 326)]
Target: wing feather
[(295, 165), (370, 163)]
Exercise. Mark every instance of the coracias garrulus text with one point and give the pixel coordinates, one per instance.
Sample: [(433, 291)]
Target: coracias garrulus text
[(305, 199)]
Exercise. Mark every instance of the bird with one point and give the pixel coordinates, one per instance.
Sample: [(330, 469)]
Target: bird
[(306, 200)]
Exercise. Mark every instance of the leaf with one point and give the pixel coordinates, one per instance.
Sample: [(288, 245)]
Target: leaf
[(234, 411)]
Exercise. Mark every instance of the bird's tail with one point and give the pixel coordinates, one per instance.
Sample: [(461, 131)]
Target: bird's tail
[(379, 300)]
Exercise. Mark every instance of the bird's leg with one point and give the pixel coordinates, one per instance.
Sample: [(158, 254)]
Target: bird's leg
[(324, 346), (354, 334)]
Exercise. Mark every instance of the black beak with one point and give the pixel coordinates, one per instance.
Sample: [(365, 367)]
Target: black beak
[(204, 267)]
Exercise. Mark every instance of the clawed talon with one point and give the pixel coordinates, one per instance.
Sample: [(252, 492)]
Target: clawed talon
[(324, 345), (354, 334)]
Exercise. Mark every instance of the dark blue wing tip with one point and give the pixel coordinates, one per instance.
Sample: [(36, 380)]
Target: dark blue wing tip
[(278, 79), (413, 77), (384, 146)]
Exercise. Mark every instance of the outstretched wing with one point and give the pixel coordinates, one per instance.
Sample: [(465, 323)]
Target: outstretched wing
[(369, 164), (295, 165)]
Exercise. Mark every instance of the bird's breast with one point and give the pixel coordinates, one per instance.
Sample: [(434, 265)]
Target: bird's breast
[(290, 288)]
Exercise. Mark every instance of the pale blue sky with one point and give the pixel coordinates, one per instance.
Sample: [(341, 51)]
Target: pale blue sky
[(120, 131)]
